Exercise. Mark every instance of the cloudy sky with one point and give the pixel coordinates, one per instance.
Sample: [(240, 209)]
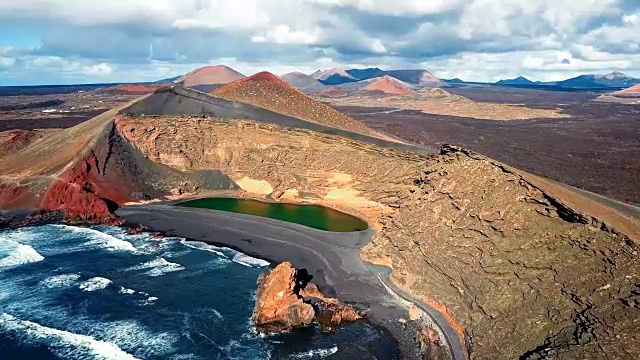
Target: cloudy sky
[(88, 41)]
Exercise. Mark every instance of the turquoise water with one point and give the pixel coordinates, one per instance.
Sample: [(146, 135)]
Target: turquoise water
[(317, 217), (98, 293)]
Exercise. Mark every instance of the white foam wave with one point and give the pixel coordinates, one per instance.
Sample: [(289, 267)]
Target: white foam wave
[(59, 281), (227, 253), (157, 267), (66, 345), (135, 337), (203, 246), (96, 283), (99, 238), (218, 314), (124, 290), (247, 260), (20, 254), (316, 353)]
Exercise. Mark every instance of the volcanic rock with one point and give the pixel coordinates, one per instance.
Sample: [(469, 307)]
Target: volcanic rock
[(286, 300), (210, 75), (270, 92), (430, 346)]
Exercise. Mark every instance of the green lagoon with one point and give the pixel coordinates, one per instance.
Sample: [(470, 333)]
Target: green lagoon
[(318, 217)]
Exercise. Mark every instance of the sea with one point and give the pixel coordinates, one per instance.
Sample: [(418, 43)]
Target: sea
[(98, 293)]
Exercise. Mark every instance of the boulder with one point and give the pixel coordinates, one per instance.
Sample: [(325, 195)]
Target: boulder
[(430, 346), (287, 300)]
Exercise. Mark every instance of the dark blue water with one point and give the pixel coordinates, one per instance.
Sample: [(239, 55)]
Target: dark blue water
[(97, 293)]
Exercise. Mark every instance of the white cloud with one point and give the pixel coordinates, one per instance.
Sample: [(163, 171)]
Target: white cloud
[(6, 62), (397, 7), (102, 69), (283, 34), (472, 39)]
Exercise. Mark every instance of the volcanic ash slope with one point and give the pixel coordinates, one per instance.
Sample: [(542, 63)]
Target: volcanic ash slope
[(270, 92)]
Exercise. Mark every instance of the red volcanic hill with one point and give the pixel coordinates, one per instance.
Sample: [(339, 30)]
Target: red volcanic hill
[(332, 92), (270, 92), (210, 75), (388, 85), (133, 89), (633, 91)]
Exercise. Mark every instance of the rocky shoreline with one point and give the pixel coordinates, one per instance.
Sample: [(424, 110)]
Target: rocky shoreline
[(286, 298)]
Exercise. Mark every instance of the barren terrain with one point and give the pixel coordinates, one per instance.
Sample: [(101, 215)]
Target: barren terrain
[(596, 149), (518, 267), (441, 102), (57, 110)]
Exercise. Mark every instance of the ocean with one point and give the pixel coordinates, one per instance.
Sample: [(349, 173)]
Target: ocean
[(98, 293)]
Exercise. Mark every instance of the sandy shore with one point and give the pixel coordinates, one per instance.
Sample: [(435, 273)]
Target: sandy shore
[(332, 258)]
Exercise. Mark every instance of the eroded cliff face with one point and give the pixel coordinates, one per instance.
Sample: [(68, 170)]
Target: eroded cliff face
[(515, 272)]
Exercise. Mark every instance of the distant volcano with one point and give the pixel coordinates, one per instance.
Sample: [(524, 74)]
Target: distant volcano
[(388, 85), (333, 76), (210, 75), (332, 92), (303, 82), (270, 92)]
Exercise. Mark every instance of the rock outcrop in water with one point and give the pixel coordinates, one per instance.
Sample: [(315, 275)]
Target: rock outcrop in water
[(287, 300)]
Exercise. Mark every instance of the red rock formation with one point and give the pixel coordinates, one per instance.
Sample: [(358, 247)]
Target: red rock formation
[(332, 92), (633, 91), (286, 301), (82, 195), (278, 307)]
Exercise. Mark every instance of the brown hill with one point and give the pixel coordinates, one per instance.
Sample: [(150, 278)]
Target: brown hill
[(389, 86), (437, 94), (210, 75), (633, 91), (418, 77), (270, 92)]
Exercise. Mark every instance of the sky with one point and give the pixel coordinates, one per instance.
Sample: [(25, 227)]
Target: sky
[(90, 41)]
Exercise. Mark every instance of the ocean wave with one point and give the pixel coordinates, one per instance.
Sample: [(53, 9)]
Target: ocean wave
[(136, 338), (315, 354), (19, 254), (233, 255), (96, 283), (198, 245), (99, 238), (247, 260), (158, 267), (66, 345), (59, 281)]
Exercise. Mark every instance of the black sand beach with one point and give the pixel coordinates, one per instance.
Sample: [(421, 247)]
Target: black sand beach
[(331, 258)]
